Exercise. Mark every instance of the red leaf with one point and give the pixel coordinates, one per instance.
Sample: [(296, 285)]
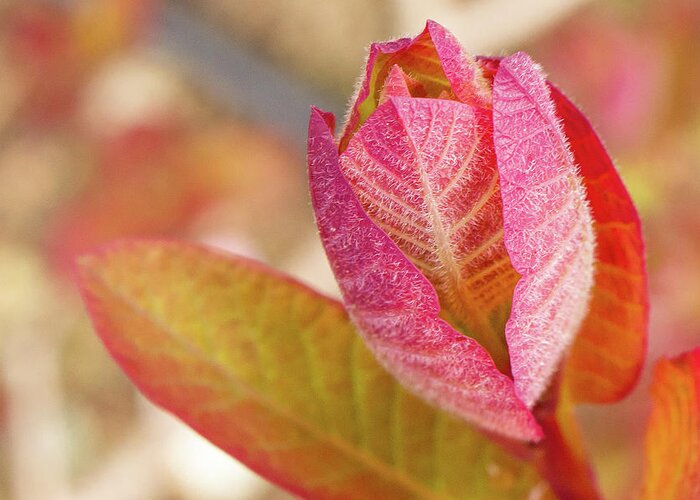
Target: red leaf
[(399, 84), (608, 353)]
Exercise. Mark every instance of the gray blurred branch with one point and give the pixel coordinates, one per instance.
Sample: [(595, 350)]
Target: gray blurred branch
[(235, 75)]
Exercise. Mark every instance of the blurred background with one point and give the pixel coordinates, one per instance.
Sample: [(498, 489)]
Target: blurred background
[(187, 119)]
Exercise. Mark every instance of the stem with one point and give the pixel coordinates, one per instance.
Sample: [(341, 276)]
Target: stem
[(562, 458)]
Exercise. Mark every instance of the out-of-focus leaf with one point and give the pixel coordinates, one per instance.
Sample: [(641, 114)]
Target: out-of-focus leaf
[(156, 180), (37, 39), (100, 27), (53, 47), (608, 352), (397, 309), (672, 461), (547, 225), (275, 375), (618, 72), (142, 188)]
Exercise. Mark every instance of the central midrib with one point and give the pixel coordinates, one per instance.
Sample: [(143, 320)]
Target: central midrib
[(458, 305)]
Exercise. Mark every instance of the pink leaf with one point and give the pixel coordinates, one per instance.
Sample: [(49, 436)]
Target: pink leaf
[(398, 84), (434, 58), (460, 68), (425, 171), (547, 225), (397, 309)]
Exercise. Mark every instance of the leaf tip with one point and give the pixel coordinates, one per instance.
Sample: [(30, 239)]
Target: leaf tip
[(320, 118)]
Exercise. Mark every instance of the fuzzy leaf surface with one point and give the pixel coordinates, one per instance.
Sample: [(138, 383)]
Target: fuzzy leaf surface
[(434, 58), (425, 171), (672, 460), (548, 229), (275, 375), (397, 309), (608, 352)]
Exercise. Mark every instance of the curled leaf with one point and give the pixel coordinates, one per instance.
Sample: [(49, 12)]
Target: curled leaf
[(424, 171)]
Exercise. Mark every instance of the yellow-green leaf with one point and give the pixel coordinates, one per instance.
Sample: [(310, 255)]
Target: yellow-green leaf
[(275, 375)]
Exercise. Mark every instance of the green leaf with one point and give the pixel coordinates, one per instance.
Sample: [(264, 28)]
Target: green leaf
[(275, 375)]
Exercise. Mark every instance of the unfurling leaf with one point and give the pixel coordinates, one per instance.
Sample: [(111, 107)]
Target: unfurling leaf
[(482, 197), (425, 172), (276, 375), (397, 310)]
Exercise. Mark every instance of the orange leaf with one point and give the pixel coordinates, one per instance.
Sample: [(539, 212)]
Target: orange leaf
[(672, 461)]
